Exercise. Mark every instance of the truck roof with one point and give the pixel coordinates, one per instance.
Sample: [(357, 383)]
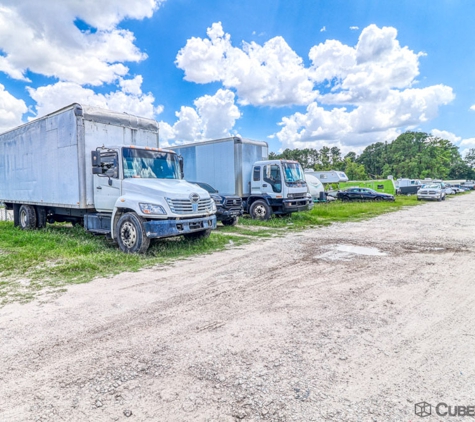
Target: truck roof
[(100, 115)]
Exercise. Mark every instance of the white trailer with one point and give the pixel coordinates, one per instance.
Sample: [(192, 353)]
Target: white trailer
[(238, 166), (104, 170), (330, 176)]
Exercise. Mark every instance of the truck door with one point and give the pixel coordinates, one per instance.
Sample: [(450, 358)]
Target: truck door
[(271, 180), (107, 186)]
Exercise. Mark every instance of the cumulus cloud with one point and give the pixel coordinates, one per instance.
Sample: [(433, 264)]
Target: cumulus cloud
[(11, 110), (472, 108), (443, 134), (271, 74), (128, 98), (213, 117), (44, 38), (353, 95)]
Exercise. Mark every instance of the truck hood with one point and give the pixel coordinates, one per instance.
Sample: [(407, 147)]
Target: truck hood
[(165, 188)]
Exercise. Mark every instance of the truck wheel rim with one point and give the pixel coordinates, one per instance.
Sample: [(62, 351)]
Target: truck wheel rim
[(260, 211), (128, 234)]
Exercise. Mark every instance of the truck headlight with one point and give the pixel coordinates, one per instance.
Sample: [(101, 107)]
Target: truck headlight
[(213, 205), (152, 209)]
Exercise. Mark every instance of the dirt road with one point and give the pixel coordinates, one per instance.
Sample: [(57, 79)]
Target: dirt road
[(351, 322)]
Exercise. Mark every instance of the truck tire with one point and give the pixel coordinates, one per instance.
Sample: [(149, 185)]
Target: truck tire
[(203, 234), (230, 221), (27, 217), (131, 235), (260, 210)]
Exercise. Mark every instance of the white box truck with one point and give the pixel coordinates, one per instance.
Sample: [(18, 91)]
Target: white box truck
[(104, 170), (238, 166)]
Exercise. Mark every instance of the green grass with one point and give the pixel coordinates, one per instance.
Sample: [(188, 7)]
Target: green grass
[(44, 261)]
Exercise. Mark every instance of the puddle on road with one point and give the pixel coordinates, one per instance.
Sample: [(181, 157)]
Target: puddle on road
[(348, 252)]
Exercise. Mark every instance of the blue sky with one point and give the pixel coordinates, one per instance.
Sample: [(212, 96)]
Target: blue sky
[(300, 73)]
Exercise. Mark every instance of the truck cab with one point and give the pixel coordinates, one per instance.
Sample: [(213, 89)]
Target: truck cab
[(277, 187), (139, 194)]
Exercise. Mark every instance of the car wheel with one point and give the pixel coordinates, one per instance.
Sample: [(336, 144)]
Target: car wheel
[(377, 199), (345, 199), (260, 210), (439, 198), (230, 221), (203, 234)]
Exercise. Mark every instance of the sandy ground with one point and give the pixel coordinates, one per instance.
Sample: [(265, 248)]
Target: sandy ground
[(352, 322)]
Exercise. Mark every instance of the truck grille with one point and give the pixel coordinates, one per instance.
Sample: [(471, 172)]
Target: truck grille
[(185, 206), (233, 202)]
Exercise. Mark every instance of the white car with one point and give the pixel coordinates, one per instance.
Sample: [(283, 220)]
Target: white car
[(435, 191)]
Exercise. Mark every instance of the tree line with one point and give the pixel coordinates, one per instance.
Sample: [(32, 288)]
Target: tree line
[(414, 155)]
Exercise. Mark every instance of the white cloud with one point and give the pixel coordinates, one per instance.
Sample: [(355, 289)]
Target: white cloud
[(11, 110), (213, 117), (272, 74), (354, 94), (443, 134), (354, 28), (472, 108), (130, 99), (42, 37), (465, 145), (324, 28), (366, 123)]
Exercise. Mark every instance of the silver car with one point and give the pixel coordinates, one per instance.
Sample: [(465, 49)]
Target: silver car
[(435, 191)]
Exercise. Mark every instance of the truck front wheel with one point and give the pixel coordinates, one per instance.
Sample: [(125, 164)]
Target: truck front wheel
[(260, 210), (27, 220), (131, 234)]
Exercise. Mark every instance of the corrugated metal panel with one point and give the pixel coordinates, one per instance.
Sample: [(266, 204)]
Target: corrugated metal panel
[(225, 164)]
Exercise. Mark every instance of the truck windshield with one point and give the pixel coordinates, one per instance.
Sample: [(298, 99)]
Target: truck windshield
[(293, 172), (150, 164)]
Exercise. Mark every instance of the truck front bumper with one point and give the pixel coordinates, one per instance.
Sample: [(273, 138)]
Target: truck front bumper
[(223, 213), (292, 205), (168, 228)]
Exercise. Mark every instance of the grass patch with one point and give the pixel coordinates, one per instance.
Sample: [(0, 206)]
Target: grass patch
[(39, 261)]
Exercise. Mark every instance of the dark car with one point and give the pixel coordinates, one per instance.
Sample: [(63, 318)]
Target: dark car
[(363, 194), (228, 207)]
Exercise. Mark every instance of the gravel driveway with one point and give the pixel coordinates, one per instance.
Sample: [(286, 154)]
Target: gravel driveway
[(351, 322)]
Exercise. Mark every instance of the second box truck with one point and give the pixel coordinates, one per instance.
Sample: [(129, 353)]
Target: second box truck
[(238, 166)]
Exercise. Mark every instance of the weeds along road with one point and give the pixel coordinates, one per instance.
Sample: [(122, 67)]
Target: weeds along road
[(351, 322)]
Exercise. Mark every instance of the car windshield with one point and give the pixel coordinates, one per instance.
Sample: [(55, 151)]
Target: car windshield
[(434, 186), (150, 164), (293, 172)]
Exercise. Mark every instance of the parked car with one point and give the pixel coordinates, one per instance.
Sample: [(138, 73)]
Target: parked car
[(363, 194), (435, 191), (467, 185), (228, 207)]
